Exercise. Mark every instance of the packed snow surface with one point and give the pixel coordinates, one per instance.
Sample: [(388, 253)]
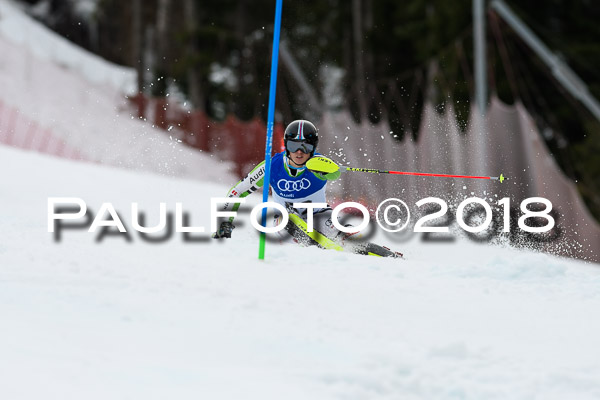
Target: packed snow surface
[(205, 319)]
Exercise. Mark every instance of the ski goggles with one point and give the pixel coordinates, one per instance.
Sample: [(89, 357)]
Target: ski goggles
[(304, 147)]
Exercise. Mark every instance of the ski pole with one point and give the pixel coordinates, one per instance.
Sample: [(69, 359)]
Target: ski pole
[(325, 165), (500, 178)]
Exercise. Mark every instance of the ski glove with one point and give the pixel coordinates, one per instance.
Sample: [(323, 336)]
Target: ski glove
[(224, 230), (330, 177)]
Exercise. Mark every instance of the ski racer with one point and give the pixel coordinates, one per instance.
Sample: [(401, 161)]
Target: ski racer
[(292, 182)]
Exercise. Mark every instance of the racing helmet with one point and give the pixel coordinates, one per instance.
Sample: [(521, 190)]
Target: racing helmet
[(301, 135)]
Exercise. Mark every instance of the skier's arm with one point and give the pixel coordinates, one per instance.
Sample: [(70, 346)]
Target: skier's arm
[(248, 185), (324, 168)]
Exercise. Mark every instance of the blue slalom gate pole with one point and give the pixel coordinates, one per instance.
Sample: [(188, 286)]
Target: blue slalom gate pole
[(270, 124)]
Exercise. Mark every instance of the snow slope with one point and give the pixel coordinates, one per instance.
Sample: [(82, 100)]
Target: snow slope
[(76, 98), (44, 44), (206, 319)]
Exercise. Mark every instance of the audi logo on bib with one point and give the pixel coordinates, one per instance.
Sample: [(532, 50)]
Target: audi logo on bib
[(293, 186)]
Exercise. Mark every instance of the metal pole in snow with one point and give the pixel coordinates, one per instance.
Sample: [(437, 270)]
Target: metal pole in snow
[(480, 55)]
